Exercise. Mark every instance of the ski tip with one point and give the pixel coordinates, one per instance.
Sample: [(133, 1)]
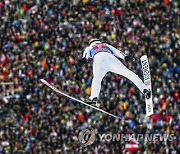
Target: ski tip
[(42, 80), (143, 57)]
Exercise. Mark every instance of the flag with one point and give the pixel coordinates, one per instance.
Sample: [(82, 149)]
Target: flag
[(132, 145)]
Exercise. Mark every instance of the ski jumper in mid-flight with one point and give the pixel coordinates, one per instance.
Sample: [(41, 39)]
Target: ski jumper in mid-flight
[(105, 59)]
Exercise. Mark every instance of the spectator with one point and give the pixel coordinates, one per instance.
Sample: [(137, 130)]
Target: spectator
[(44, 38)]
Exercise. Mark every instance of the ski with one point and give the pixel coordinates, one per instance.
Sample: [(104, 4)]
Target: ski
[(75, 99), (147, 81)]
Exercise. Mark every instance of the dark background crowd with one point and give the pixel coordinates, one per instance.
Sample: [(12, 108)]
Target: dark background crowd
[(45, 38)]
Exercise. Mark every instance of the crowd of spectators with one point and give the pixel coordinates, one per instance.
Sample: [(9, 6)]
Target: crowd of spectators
[(44, 39)]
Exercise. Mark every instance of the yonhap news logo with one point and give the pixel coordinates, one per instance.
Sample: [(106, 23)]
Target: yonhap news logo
[(89, 135), (86, 137)]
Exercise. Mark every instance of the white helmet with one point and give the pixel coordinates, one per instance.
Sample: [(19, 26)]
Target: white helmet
[(94, 41)]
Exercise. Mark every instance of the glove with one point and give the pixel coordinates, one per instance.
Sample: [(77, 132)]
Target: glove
[(129, 58), (82, 61)]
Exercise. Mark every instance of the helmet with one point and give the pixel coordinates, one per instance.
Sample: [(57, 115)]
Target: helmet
[(94, 41)]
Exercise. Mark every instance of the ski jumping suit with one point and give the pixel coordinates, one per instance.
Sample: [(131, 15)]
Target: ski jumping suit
[(105, 60)]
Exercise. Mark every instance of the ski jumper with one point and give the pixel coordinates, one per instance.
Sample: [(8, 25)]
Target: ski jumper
[(105, 60)]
